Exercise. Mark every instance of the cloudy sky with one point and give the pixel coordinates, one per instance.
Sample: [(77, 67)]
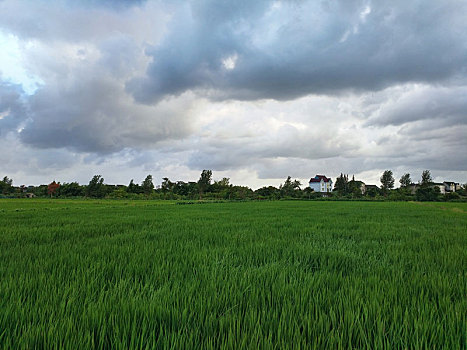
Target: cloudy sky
[(253, 90)]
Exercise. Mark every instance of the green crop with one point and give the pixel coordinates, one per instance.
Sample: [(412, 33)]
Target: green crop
[(256, 275)]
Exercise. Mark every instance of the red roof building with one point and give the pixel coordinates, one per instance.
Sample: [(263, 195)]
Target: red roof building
[(320, 183)]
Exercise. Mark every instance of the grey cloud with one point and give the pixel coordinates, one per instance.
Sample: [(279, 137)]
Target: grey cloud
[(85, 107), (445, 103), (289, 49), (95, 115), (113, 4), (13, 109), (78, 21), (83, 60), (286, 142)]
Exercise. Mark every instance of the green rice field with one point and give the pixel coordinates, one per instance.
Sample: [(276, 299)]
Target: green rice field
[(77, 274)]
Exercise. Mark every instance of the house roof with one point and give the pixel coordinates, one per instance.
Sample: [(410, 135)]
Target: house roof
[(371, 186), (318, 178), (358, 182)]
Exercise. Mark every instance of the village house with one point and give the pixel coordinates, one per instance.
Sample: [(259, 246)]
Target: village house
[(442, 188), (360, 185), (320, 183), (451, 186), (413, 188)]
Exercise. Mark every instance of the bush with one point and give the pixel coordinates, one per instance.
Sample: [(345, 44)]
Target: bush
[(451, 196), (427, 194)]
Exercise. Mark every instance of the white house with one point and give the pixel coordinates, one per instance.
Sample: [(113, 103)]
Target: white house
[(321, 183), (451, 186), (441, 187)]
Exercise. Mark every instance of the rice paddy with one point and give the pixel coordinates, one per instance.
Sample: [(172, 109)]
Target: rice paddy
[(253, 275)]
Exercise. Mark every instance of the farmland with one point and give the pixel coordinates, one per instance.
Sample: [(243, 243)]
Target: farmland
[(280, 274)]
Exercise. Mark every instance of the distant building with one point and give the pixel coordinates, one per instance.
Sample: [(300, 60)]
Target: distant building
[(321, 183), (441, 187), (357, 184), (450, 186), (413, 188)]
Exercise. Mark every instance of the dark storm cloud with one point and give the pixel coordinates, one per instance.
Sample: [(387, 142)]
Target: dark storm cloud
[(95, 115), (284, 50), (13, 109), (83, 61), (74, 21)]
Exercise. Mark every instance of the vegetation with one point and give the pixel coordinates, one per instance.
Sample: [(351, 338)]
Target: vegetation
[(405, 180), (96, 187), (387, 181), (6, 186), (207, 188), (151, 274), (147, 185), (342, 184), (426, 178)]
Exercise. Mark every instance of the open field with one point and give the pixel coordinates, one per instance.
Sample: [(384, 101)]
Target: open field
[(148, 274)]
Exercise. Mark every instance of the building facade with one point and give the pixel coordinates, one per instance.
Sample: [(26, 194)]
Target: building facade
[(321, 183)]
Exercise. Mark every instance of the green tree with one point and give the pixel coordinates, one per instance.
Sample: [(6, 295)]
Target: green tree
[(95, 188), (387, 181), (188, 190), (147, 185), (355, 188), (405, 180), (167, 185), (72, 189), (342, 184), (225, 182), (427, 193), (270, 192), (6, 185), (426, 179), (219, 188), (290, 188), (204, 181), (132, 187)]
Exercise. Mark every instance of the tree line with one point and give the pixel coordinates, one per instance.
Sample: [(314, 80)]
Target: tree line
[(207, 188), (425, 190)]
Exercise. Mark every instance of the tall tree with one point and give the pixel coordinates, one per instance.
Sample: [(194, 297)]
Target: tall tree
[(167, 185), (52, 188), (6, 185), (204, 181), (405, 180), (387, 181), (426, 178), (225, 182), (147, 185), (96, 187), (342, 184), (132, 187), (289, 187)]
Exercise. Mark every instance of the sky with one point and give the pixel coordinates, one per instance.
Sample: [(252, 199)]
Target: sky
[(253, 90)]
